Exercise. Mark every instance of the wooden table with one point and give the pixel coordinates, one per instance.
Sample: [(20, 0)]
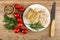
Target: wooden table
[(43, 35)]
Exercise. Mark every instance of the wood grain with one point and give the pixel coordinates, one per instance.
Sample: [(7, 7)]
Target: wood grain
[(43, 35)]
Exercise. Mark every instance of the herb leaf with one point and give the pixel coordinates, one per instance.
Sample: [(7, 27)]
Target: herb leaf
[(36, 26), (10, 22), (6, 17)]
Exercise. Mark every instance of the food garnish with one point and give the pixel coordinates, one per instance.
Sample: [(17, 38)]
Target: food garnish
[(17, 6), (16, 14), (10, 23), (36, 26), (15, 22), (16, 30), (22, 9), (24, 31)]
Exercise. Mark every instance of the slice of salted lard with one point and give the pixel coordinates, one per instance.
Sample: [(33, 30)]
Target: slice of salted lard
[(32, 16), (43, 17)]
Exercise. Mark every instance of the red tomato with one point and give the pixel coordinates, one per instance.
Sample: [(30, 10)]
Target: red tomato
[(22, 9), (24, 31), (20, 24), (16, 15), (17, 30), (17, 6), (19, 19)]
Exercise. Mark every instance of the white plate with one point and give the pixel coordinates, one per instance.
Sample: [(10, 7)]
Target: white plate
[(27, 22)]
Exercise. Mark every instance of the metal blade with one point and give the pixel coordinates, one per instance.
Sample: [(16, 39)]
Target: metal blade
[(53, 11)]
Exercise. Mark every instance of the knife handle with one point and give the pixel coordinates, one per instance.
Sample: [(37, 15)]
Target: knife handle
[(52, 28)]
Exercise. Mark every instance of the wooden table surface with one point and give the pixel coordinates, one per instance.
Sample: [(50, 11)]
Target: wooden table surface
[(43, 35)]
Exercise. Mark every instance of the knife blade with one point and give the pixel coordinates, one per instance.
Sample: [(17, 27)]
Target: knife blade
[(52, 29), (53, 11)]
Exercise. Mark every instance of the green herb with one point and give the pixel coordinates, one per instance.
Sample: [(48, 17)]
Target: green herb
[(36, 26), (10, 23), (9, 27)]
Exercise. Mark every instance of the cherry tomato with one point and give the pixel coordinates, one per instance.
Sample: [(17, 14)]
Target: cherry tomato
[(22, 9), (24, 31), (17, 30), (16, 15), (20, 24), (17, 6), (19, 19)]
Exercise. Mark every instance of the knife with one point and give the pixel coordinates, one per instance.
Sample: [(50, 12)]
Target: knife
[(52, 29)]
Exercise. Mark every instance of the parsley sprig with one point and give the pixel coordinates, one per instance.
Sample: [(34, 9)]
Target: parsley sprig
[(36, 26), (10, 23)]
